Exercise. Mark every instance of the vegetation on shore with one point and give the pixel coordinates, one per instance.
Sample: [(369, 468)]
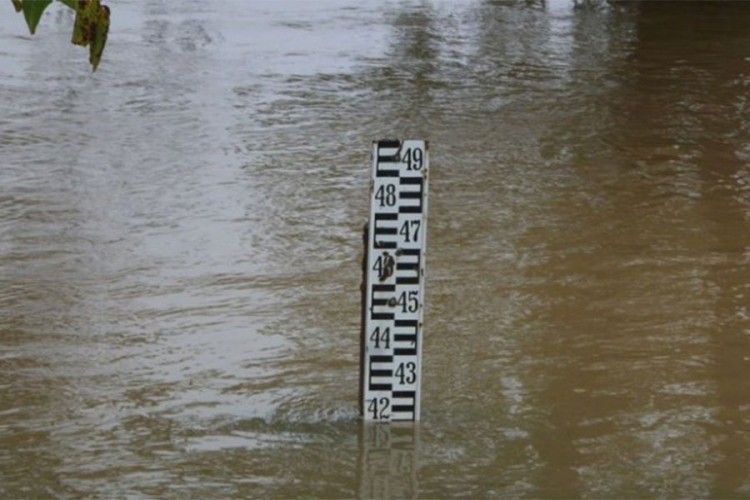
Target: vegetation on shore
[(90, 27)]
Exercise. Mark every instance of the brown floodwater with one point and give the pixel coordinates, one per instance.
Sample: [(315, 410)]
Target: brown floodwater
[(180, 249)]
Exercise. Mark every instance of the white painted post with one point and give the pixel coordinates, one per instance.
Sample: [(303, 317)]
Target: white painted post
[(394, 303)]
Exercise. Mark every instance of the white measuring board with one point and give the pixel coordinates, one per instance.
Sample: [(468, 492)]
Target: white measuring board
[(395, 281)]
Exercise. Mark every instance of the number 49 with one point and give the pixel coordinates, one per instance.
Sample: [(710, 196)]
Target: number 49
[(414, 158)]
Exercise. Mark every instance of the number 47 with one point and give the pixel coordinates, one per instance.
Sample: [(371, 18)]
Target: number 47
[(410, 230)]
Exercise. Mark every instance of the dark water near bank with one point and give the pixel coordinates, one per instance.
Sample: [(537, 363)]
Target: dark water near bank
[(180, 245)]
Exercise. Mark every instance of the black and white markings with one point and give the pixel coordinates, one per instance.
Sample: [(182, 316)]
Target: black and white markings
[(395, 281)]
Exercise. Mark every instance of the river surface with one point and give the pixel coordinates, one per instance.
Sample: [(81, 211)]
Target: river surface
[(180, 245)]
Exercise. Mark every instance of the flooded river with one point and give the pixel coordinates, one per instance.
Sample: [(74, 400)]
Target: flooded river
[(180, 249)]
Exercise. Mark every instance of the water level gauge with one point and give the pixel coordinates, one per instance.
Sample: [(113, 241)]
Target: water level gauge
[(395, 281)]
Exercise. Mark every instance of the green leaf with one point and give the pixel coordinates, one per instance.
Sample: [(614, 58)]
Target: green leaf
[(91, 27), (81, 25), (99, 31), (32, 11)]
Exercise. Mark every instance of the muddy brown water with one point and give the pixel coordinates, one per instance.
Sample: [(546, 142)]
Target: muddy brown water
[(180, 245)]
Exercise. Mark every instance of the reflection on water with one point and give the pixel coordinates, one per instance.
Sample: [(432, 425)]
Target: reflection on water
[(388, 458), (180, 245)]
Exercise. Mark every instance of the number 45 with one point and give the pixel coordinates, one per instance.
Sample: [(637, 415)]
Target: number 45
[(408, 303)]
